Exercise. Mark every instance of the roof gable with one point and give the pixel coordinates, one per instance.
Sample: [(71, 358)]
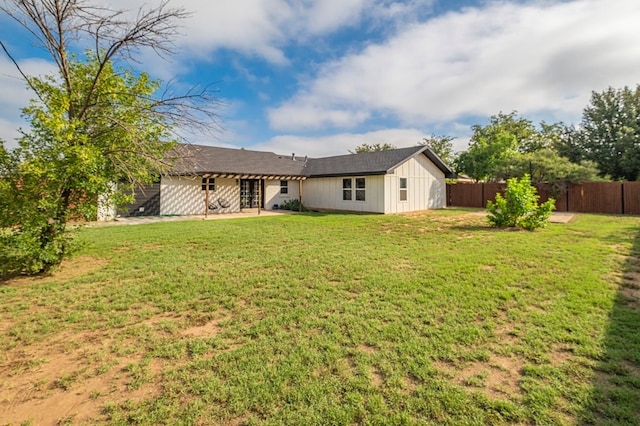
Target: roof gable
[(371, 163)]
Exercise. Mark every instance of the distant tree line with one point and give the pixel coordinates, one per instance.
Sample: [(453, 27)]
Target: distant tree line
[(605, 145)]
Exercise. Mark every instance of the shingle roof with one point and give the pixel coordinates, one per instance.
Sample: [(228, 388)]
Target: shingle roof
[(370, 163), (199, 159)]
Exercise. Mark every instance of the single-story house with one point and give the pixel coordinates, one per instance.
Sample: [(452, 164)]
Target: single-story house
[(210, 179)]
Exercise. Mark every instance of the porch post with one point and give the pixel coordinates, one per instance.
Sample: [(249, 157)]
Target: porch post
[(206, 199), (300, 195), (259, 195)]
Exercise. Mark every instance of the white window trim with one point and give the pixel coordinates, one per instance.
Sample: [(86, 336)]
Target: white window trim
[(405, 189), (353, 189), (356, 189), (208, 182), (350, 189)]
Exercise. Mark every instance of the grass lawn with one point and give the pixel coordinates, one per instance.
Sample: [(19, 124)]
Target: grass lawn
[(330, 319)]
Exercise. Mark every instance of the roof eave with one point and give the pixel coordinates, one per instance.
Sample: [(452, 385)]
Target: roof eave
[(236, 175), (369, 173), (435, 159)]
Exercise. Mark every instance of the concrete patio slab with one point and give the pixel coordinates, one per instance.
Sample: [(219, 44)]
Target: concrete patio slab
[(141, 220)]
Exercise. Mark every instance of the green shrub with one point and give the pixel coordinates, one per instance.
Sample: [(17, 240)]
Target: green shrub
[(293, 205), (519, 207), (31, 249)]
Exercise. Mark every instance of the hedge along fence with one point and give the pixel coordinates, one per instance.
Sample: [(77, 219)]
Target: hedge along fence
[(593, 197)]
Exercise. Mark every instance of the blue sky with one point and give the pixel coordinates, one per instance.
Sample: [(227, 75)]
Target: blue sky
[(321, 77)]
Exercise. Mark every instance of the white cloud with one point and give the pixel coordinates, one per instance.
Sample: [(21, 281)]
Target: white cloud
[(528, 57), (253, 27), (15, 94), (293, 116), (9, 132), (338, 144), (321, 17), (259, 28), (264, 28)]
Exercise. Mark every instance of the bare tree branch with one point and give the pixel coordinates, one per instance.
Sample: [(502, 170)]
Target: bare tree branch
[(54, 23), (26, 78)]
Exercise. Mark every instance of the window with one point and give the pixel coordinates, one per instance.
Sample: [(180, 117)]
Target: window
[(346, 189), (208, 181), (403, 189), (360, 189), (284, 187)]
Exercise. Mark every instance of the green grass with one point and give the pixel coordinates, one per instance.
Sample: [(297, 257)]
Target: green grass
[(340, 319)]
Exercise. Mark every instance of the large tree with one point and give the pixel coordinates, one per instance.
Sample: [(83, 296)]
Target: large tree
[(441, 145), (546, 166), (512, 146), (97, 126), (527, 137), (486, 154), (496, 142), (376, 147), (568, 143), (610, 132)]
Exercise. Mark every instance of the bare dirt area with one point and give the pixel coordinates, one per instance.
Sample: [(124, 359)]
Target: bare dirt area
[(69, 269), (630, 284), (556, 217), (471, 219), (72, 377), (68, 378)]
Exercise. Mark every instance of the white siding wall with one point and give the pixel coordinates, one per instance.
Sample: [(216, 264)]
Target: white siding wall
[(326, 193), (425, 190), (106, 207), (273, 196), (426, 187), (227, 190), (184, 195)]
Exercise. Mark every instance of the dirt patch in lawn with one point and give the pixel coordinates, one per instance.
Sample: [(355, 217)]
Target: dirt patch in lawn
[(629, 289), (428, 221), (498, 378), (631, 296), (68, 270), (70, 378), (210, 329), (438, 216), (376, 377)]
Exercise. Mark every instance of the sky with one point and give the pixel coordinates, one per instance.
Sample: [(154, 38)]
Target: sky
[(319, 78)]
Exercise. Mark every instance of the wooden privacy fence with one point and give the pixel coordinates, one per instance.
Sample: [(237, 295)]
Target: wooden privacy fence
[(594, 197)]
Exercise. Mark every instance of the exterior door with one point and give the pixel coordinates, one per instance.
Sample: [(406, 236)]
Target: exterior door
[(250, 193)]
